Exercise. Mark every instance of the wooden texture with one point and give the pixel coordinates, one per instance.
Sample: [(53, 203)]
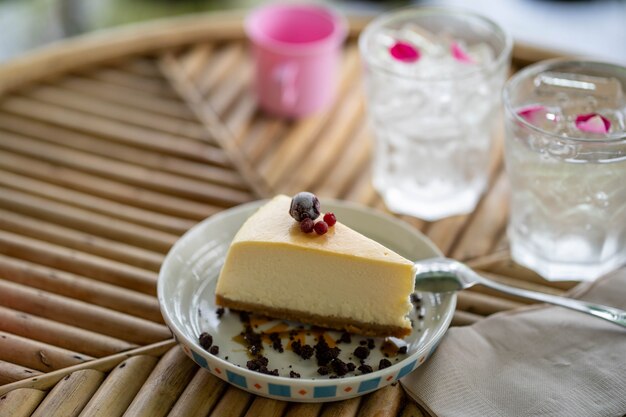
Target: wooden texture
[(112, 146)]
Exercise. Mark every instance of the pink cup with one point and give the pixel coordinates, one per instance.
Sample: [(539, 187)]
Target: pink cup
[(297, 49)]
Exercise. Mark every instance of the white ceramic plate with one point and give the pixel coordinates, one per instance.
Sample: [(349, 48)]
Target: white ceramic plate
[(186, 291)]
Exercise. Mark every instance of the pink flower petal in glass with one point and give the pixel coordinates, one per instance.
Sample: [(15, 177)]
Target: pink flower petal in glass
[(533, 114), (460, 55), (404, 52), (593, 123)]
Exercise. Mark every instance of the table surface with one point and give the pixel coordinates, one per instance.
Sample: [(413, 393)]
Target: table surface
[(112, 146)]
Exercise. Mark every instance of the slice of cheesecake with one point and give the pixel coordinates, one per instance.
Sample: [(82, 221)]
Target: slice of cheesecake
[(341, 280)]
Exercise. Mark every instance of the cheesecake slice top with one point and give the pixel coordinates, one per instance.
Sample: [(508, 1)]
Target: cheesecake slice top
[(271, 224)]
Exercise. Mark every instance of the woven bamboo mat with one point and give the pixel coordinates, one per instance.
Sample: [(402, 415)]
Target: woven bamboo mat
[(113, 145)]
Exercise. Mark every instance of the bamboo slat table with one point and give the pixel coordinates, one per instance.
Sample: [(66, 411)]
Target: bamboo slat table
[(111, 146)]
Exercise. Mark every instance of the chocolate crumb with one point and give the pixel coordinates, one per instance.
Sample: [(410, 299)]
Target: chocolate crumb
[(345, 338), (277, 344), (323, 370), (421, 314), (339, 366), (416, 299), (370, 344), (226, 357), (365, 369), (361, 352), (220, 312), (253, 340), (325, 354), (351, 367), (402, 350), (206, 340), (384, 363), (296, 347), (244, 316), (214, 350), (293, 374), (258, 365), (307, 352), (363, 342)]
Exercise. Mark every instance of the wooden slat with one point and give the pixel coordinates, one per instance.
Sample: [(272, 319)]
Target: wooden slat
[(266, 407), (147, 218), (10, 372), (70, 395), (85, 220), (118, 131), (99, 146), (113, 190), (385, 402), (121, 171), (141, 66), (241, 114), (352, 162), (126, 96), (262, 136), (42, 230), (195, 59), (172, 70), (412, 410), (221, 63), (84, 289), (233, 403), (164, 385), (200, 396), (80, 314), (106, 364), (329, 145), (92, 266), (223, 95), (61, 335), (119, 388), (57, 96), (154, 86), (346, 408), (37, 355), (303, 410), (20, 402)]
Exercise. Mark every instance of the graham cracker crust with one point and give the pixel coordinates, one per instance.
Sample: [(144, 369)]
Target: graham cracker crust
[(351, 326)]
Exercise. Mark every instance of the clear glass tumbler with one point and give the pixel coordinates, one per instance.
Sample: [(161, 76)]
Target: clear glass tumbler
[(433, 79), (565, 153)]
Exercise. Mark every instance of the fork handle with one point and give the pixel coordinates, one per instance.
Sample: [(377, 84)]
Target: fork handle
[(614, 315)]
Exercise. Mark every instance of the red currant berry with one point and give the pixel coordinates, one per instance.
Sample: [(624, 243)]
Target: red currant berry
[(330, 219), (307, 225), (321, 227)]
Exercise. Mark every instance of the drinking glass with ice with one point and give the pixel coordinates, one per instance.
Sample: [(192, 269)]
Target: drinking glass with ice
[(565, 155), (433, 78)]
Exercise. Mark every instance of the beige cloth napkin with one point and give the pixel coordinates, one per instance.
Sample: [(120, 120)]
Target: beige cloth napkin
[(534, 361)]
